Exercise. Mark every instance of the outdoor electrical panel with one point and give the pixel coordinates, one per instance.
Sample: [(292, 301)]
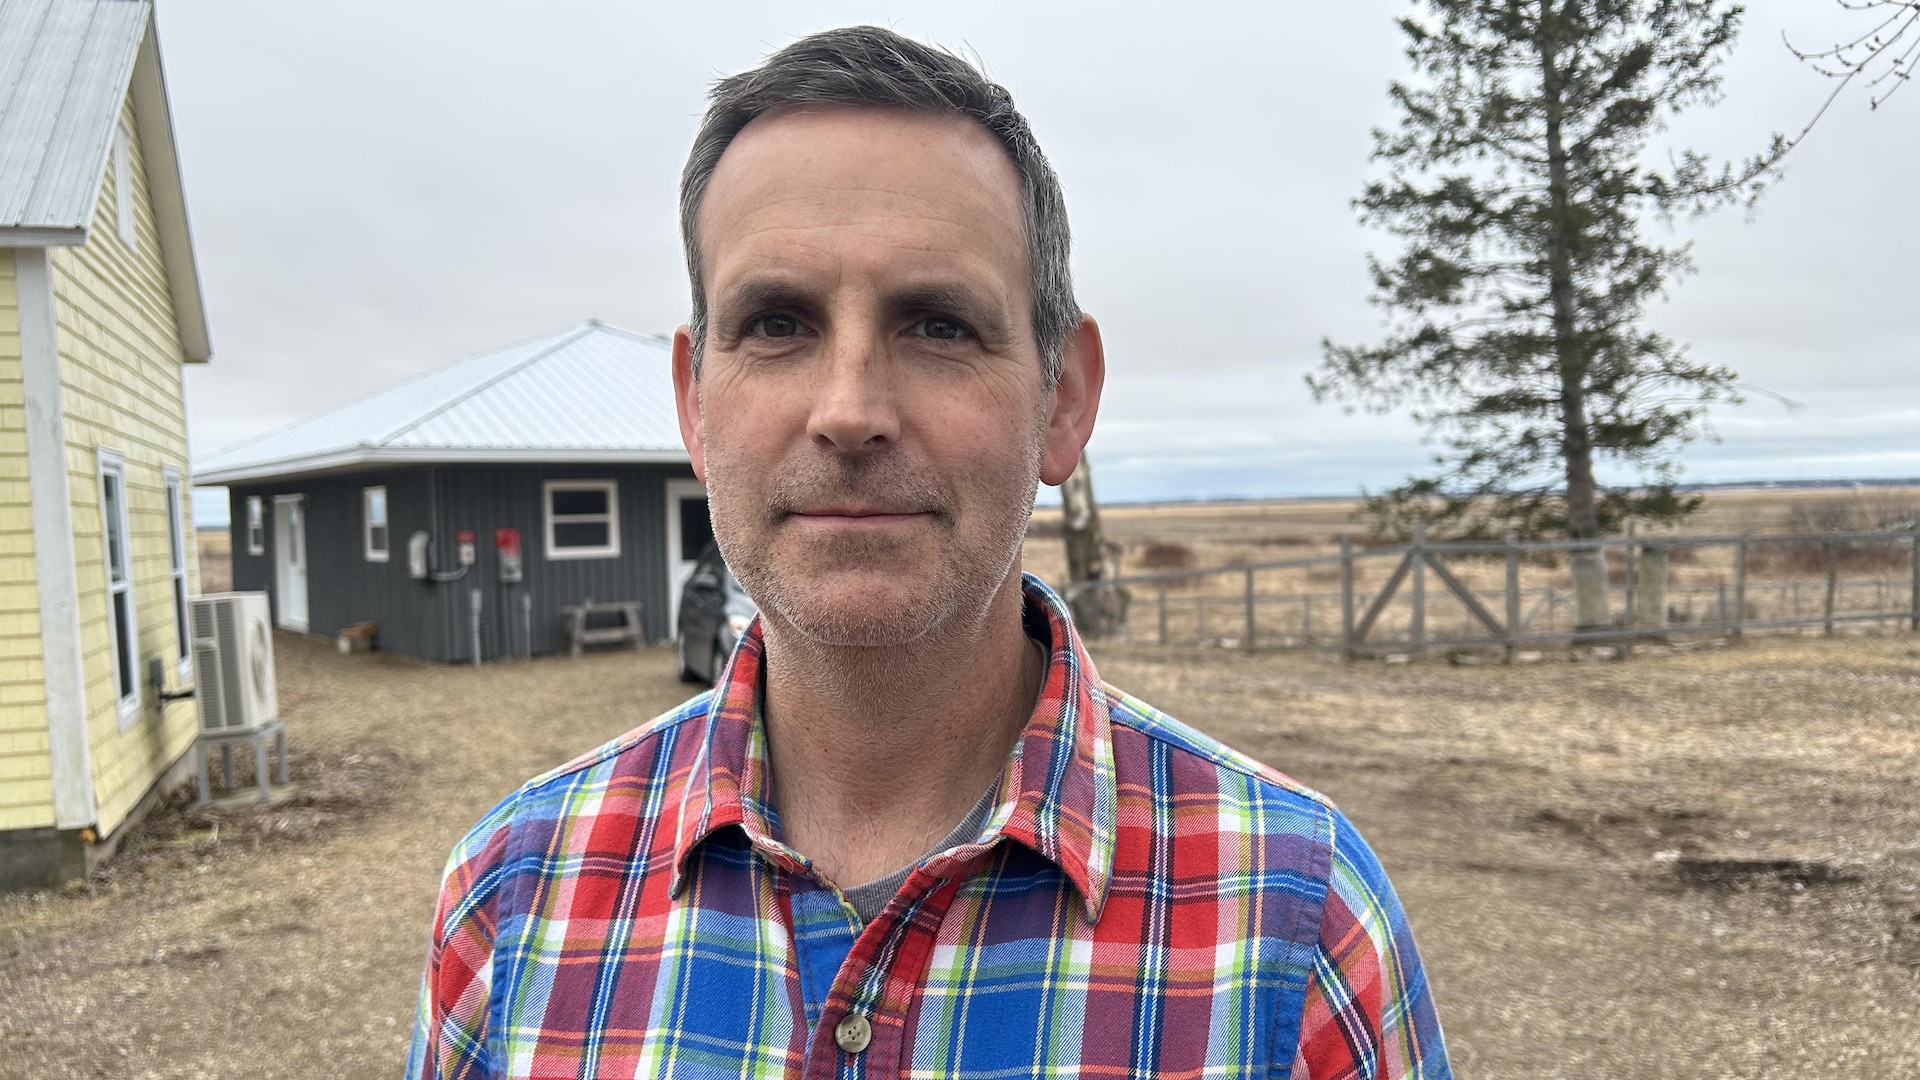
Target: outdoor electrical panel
[(417, 556), (464, 541), (507, 543)]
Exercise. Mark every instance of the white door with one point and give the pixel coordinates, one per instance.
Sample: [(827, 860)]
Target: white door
[(688, 534), (290, 560)]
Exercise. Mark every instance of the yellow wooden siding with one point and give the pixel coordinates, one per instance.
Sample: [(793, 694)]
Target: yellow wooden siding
[(26, 774), (120, 373)]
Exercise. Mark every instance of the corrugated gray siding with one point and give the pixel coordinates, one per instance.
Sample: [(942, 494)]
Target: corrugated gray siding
[(343, 588), (430, 619)]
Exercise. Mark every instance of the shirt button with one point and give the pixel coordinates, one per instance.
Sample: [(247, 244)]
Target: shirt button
[(853, 1033)]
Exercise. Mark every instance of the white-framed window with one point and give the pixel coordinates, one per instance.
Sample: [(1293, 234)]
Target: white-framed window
[(583, 519), (177, 564), (122, 616), (256, 525), (123, 181), (373, 523)]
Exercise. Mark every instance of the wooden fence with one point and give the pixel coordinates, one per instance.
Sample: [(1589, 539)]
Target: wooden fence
[(1424, 595)]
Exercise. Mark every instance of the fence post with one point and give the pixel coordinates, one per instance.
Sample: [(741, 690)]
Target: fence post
[(1720, 601), (1250, 623), (1651, 611), (1419, 586), (1740, 589), (1513, 594), (1833, 584), (1346, 596), (1163, 612), (1913, 602), (1630, 583)]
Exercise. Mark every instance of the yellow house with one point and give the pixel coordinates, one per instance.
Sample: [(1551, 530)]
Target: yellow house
[(100, 309)]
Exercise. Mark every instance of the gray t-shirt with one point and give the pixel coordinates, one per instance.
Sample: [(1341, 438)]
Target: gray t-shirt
[(869, 899)]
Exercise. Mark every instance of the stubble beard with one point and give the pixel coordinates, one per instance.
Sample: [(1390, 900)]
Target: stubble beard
[(969, 566)]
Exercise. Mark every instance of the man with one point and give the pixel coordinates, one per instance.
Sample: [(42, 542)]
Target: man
[(910, 832)]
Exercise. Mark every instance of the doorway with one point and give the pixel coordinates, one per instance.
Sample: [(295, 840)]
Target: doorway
[(290, 561), (689, 531)]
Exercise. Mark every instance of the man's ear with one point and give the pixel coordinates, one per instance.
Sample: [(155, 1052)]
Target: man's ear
[(686, 400), (1076, 399)]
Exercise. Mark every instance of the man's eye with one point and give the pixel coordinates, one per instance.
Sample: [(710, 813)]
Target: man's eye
[(941, 328), (775, 326)]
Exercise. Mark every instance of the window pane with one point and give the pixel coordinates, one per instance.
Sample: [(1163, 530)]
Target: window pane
[(256, 514), (123, 641), (571, 503), (377, 539), (696, 529), (377, 506), (175, 549), (110, 509), (581, 534), (180, 617)]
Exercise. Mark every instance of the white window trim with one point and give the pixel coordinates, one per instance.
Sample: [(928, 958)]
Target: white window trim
[(366, 524), (123, 182), (611, 518), (111, 462), (175, 486), (256, 525)]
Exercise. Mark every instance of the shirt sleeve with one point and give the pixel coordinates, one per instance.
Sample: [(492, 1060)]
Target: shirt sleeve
[(450, 1029), (1368, 1012)]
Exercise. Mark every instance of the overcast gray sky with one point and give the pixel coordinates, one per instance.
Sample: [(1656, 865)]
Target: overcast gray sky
[(378, 189)]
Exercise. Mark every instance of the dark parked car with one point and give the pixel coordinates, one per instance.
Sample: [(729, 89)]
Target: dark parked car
[(714, 612)]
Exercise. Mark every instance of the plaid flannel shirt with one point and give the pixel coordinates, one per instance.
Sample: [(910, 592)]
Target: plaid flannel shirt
[(1142, 902)]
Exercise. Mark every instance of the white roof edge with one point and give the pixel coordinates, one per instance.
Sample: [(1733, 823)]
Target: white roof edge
[(21, 236), (154, 116), (361, 457)]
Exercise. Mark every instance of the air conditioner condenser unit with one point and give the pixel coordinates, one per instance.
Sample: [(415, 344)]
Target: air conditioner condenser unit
[(233, 662)]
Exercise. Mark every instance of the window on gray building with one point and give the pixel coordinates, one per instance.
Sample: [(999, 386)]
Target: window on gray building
[(373, 518), (583, 519), (256, 525)]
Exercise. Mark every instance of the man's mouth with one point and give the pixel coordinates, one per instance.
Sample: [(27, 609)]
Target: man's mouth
[(858, 514)]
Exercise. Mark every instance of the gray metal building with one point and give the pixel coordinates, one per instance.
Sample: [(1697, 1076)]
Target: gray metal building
[(567, 444)]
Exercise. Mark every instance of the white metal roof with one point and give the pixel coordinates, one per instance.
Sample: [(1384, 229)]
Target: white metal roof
[(65, 68), (587, 393)]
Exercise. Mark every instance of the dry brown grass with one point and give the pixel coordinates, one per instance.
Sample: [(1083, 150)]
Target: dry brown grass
[(1784, 581), (215, 547), (1693, 864), (1700, 864)]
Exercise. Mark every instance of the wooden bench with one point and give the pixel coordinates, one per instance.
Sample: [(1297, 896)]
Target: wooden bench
[(579, 635)]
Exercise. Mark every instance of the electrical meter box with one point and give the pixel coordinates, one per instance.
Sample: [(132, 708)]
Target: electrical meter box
[(506, 543)]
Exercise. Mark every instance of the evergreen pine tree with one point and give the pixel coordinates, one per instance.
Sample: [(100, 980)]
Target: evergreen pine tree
[(1518, 180)]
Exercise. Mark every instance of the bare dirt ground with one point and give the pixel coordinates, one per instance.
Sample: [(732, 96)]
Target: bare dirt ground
[(1692, 864)]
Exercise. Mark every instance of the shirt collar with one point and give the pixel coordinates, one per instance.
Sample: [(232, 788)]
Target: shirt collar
[(1056, 794)]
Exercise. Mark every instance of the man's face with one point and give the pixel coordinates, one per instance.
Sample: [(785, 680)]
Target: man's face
[(870, 415)]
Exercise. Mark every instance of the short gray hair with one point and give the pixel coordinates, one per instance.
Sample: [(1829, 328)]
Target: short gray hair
[(876, 68)]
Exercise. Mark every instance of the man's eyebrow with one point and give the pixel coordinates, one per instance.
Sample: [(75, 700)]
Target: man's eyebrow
[(961, 300), (759, 294)]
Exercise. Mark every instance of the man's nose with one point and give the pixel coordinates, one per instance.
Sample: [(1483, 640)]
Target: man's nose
[(853, 408)]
